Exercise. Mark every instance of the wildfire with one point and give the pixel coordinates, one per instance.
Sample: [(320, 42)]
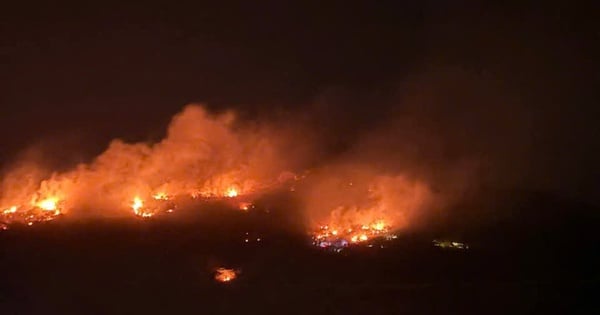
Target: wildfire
[(225, 275), (207, 156)]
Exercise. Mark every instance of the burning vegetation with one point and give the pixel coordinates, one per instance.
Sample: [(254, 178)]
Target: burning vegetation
[(338, 238), (207, 157), (44, 210), (203, 156)]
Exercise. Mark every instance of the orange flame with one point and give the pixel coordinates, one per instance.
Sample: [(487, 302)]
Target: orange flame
[(225, 275), (342, 236), (137, 206), (10, 210), (231, 192), (49, 204), (161, 196)]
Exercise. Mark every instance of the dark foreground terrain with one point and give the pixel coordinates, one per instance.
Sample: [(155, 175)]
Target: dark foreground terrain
[(518, 265)]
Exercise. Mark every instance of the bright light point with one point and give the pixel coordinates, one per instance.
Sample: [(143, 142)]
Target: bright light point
[(48, 204), (137, 204), (231, 192), (379, 226), (364, 237)]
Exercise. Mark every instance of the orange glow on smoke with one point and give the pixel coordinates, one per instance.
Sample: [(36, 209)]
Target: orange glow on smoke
[(203, 155), (354, 204), (225, 275)]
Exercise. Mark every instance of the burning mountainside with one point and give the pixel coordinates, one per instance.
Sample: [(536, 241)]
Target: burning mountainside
[(203, 156), (210, 157), (355, 205)]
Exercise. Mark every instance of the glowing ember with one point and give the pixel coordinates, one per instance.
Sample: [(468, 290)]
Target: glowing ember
[(225, 275)]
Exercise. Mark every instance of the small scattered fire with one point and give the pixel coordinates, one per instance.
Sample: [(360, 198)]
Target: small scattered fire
[(161, 196), (218, 192), (158, 204), (337, 237), (225, 275), (39, 211), (10, 210), (245, 206)]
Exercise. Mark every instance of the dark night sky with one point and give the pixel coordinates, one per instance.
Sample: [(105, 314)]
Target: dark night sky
[(80, 75)]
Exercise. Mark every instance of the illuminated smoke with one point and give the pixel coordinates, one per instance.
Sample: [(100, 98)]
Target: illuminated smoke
[(203, 155), (356, 203)]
